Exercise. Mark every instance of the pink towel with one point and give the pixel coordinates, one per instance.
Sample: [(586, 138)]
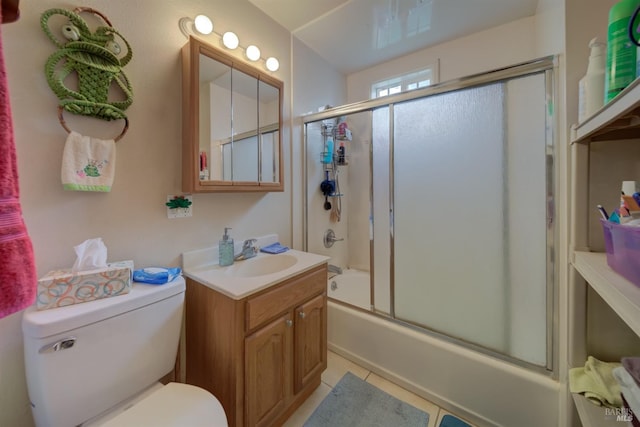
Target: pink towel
[(18, 279)]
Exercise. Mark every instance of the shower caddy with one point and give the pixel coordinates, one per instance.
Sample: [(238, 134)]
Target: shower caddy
[(331, 158)]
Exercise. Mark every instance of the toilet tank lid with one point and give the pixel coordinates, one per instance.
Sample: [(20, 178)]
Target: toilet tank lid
[(44, 323)]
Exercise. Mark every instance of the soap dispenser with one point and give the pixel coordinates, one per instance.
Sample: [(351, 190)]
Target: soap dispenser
[(225, 249)]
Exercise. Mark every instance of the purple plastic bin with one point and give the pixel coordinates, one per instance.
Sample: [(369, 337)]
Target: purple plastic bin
[(622, 243)]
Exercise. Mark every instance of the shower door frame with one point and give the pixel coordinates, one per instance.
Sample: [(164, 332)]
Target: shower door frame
[(547, 66)]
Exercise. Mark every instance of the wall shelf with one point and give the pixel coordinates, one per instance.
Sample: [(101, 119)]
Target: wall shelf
[(619, 119), (621, 295), (592, 415)]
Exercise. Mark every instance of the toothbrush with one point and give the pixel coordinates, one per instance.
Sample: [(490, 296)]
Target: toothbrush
[(603, 213)]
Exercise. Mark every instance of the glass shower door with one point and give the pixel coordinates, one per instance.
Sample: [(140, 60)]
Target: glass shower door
[(469, 217)]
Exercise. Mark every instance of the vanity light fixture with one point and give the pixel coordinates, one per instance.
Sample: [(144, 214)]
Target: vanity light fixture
[(202, 24), (272, 64), (252, 52), (230, 40)]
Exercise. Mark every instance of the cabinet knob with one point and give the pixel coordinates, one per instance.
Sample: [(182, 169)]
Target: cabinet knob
[(302, 315), (289, 323)]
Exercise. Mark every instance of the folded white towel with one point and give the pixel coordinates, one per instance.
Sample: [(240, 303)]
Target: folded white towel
[(88, 164)]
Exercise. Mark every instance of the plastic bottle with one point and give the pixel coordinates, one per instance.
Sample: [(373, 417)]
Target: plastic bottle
[(591, 93), (328, 150), (225, 249), (621, 52), (342, 127), (341, 154)]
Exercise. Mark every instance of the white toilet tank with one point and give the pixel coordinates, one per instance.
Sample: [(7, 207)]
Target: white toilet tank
[(83, 359)]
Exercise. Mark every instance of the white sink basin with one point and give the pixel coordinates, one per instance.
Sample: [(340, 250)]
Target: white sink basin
[(253, 267), (244, 278)]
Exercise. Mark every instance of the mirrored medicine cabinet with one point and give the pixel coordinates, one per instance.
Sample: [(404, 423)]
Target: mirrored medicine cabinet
[(231, 123)]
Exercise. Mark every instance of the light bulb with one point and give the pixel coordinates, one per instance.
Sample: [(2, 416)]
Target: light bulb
[(253, 53), (203, 24), (272, 64), (230, 40)]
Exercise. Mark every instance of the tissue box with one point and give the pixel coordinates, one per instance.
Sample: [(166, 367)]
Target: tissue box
[(62, 287)]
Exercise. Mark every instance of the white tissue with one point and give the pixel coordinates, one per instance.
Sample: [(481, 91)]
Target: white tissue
[(91, 254)]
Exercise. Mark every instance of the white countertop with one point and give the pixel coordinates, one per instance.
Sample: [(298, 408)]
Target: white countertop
[(202, 266)]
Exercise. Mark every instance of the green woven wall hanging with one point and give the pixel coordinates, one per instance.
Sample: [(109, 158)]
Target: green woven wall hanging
[(97, 59)]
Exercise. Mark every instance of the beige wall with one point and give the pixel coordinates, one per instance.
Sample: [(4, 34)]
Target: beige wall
[(132, 218), (315, 84)]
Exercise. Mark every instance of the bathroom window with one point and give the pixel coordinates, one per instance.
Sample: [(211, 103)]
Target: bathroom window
[(410, 81)]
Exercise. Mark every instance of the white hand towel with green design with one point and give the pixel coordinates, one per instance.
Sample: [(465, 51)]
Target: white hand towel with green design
[(88, 164)]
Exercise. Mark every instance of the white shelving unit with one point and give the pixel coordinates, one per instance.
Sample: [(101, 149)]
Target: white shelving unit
[(621, 295), (592, 415), (618, 120)]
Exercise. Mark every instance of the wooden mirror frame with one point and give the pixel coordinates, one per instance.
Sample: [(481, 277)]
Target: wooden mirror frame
[(191, 182)]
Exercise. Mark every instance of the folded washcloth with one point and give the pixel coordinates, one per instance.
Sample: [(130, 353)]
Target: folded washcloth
[(630, 390), (274, 248), (88, 164), (632, 365), (596, 382), (156, 275)]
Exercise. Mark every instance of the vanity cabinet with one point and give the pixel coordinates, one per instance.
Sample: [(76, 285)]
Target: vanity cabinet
[(268, 371), (604, 307), (262, 355)]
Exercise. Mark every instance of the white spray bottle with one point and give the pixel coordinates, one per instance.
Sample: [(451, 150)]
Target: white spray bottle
[(591, 93)]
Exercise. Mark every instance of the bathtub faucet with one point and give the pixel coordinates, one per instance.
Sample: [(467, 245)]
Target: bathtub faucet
[(334, 269)]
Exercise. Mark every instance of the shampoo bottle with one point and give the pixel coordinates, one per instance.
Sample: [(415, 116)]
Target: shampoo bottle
[(225, 249), (328, 151), (591, 94)]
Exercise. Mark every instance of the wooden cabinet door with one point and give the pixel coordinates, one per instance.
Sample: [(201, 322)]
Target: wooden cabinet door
[(268, 370), (310, 343)]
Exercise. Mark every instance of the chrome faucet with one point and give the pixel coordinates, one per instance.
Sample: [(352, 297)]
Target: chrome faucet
[(249, 250), (330, 238)]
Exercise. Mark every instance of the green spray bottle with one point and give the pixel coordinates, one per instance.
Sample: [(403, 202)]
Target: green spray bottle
[(621, 52)]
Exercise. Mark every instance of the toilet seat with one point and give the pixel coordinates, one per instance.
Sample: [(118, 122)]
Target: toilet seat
[(174, 405)]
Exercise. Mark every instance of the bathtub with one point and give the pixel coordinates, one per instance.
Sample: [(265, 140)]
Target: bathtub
[(351, 287), (480, 388)]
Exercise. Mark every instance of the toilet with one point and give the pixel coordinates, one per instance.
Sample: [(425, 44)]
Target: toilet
[(99, 363)]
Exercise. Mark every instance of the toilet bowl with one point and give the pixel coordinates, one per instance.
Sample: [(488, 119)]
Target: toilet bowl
[(99, 363), (171, 405)]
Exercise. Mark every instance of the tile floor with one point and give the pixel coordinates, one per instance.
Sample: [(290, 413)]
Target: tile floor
[(337, 366)]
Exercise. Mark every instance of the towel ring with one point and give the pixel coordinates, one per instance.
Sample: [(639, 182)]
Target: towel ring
[(64, 124), (78, 10)]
